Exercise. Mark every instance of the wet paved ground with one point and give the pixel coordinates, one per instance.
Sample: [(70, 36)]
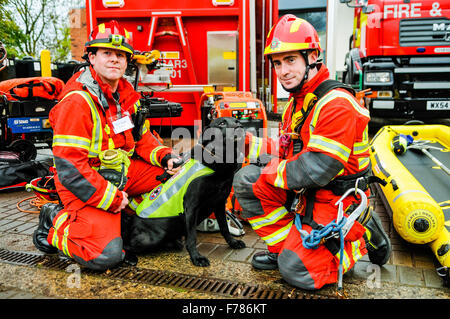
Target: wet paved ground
[(410, 272), (411, 267)]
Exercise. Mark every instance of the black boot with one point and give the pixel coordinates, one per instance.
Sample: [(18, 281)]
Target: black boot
[(48, 212), (265, 260), (130, 259), (377, 241)]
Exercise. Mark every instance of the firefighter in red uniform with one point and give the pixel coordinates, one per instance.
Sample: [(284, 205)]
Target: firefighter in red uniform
[(323, 150), (93, 147)]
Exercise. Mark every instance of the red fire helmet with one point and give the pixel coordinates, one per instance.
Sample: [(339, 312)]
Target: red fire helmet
[(111, 35), (43, 188), (291, 34)]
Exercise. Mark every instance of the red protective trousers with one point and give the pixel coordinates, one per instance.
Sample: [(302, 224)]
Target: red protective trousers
[(274, 224)]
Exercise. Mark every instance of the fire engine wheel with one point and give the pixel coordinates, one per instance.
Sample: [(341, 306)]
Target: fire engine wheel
[(26, 149)]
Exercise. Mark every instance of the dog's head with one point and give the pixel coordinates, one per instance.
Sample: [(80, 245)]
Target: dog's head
[(223, 141)]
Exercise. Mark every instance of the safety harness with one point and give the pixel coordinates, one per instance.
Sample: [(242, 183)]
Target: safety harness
[(299, 118), (341, 184)]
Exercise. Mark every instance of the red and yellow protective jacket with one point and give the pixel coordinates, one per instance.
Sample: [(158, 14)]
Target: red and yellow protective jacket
[(82, 129), (334, 139)]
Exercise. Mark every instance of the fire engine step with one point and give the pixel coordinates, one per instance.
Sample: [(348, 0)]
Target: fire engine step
[(162, 278)]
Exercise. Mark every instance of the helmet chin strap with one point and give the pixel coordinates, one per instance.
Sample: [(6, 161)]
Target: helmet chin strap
[(308, 67)]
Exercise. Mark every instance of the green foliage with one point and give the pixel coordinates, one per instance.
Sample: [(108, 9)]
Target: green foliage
[(10, 33), (62, 46), (29, 26)]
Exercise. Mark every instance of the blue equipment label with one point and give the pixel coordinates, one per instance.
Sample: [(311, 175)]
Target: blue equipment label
[(28, 124)]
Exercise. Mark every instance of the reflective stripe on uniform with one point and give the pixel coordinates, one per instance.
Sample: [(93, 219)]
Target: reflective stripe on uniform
[(278, 235), (359, 148), (71, 141), (97, 135), (255, 148), (59, 221), (269, 219), (65, 248), (363, 163), (333, 94), (356, 245), (143, 130), (108, 197), (329, 146), (111, 144), (347, 262), (279, 181), (153, 155), (363, 146)]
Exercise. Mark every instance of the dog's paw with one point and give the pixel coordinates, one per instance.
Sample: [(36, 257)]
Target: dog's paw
[(236, 244), (200, 261)]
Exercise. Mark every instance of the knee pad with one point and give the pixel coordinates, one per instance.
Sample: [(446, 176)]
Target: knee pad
[(294, 271), (110, 257)]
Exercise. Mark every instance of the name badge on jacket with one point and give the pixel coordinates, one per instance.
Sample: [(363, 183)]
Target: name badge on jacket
[(122, 124)]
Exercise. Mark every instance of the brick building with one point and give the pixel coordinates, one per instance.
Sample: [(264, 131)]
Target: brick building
[(78, 32)]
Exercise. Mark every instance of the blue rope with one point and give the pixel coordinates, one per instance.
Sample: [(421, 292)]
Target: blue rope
[(313, 239)]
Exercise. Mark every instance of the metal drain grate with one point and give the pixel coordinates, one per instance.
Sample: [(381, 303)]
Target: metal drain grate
[(163, 278), (20, 258)]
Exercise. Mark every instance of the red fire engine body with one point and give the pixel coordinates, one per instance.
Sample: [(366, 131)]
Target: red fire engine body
[(401, 51), (209, 44)]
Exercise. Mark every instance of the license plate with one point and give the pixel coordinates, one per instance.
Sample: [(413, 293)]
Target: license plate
[(438, 105)]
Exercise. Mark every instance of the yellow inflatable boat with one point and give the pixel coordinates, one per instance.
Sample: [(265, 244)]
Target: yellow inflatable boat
[(415, 161)]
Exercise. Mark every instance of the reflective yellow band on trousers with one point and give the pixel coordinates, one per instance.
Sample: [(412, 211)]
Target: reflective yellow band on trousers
[(269, 219), (277, 236)]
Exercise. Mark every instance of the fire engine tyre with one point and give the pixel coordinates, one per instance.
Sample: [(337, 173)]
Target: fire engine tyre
[(26, 149), (351, 76), (348, 74)]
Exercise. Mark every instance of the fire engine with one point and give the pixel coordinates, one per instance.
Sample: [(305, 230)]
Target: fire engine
[(400, 50), (204, 45)]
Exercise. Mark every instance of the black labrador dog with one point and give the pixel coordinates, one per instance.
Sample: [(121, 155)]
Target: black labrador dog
[(204, 195)]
